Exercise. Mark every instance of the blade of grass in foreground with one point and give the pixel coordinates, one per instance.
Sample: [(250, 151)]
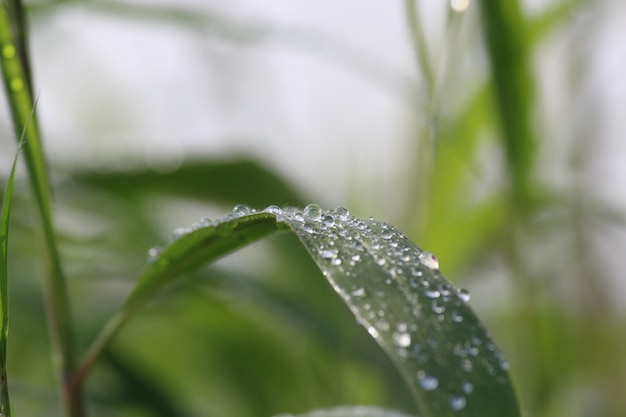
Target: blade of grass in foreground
[(5, 215), (21, 103), (448, 360)]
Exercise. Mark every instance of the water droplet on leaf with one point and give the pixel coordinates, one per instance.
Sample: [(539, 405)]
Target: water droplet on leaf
[(342, 213), (359, 292), (180, 232), (463, 294), (313, 212), (457, 402), (329, 253), (401, 339), (273, 210), (329, 221), (467, 387), (432, 293), (241, 210), (429, 260), (153, 254), (427, 382)]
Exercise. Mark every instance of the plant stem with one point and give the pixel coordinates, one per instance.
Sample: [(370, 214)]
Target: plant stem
[(19, 93), (427, 135)]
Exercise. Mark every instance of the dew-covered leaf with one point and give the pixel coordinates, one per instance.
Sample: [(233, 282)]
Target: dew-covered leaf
[(204, 242), (346, 411), (449, 363), (425, 325)]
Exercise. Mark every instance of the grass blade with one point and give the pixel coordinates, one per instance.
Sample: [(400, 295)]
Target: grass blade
[(192, 249), (19, 94), (449, 362), (5, 215), (506, 38)]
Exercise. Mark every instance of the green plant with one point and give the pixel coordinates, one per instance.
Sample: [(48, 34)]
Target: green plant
[(449, 363), (212, 339)]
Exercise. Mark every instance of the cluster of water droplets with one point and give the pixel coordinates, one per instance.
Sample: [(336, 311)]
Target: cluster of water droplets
[(221, 225), (397, 293)]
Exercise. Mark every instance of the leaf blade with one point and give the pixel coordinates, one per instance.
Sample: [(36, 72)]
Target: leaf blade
[(5, 216), (448, 360), (446, 357), (195, 247)]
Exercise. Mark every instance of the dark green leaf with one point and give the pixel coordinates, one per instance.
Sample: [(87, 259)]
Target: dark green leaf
[(505, 34), (395, 289), (217, 181)]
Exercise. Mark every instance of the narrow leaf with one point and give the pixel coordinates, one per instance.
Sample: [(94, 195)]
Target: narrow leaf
[(5, 215), (506, 37), (206, 242), (13, 61)]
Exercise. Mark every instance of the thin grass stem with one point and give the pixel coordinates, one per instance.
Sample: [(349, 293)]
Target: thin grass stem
[(19, 92)]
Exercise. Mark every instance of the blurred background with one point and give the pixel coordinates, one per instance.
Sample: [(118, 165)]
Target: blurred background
[(490, 133)]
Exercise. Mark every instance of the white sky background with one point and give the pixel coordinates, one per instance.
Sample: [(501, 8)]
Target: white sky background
[(115, 89), (110, 84)]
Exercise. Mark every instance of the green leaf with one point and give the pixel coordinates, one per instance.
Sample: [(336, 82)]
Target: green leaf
[(220, 181), (506, 37), (15, 72), (554, 15), (350, 412), (449, 363), (5, 215), (206, 243)]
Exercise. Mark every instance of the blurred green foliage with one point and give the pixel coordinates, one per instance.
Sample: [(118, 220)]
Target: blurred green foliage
[(273, 337)]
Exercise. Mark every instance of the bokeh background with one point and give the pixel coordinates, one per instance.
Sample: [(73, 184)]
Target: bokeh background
[(492, 134)]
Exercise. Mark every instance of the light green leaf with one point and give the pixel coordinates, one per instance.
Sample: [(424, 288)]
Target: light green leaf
[(5, 215), (449, 362)]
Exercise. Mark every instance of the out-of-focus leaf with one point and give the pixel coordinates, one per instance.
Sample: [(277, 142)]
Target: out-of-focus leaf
[(454, 227), (448, 361), (555, 14), (15, 71), (5, 215), (506, 37), (218, 181), (134, 387)]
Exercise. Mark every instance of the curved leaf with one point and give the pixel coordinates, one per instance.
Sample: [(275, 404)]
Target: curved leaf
[(449, 362), (395, 289)]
